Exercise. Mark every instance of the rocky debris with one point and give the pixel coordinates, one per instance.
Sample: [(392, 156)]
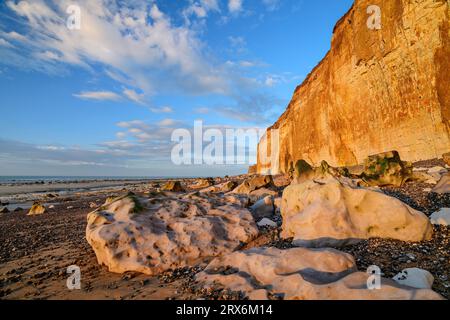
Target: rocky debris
[(301, 170), (36, 209), (437, 169), (262, 193), (203, 183), (18, 209), (386, 169), (424, 177), (254, 183), (441, 217), (221, 187), (267, 223), (412, 193), (443, 185), (263, 208), (300, 274), (321, 214), (173, 186), (415, 278), (167, 232), (93, 205), (4, 210), (446, 158)]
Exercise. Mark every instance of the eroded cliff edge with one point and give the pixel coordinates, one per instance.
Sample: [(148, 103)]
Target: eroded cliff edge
[(375, 90)]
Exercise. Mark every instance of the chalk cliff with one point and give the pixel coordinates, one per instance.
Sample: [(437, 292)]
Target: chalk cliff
[(376, 90)]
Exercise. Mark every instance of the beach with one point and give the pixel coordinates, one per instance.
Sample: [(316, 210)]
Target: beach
[(35, 251)]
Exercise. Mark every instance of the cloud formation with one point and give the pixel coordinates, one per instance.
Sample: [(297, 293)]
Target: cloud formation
[(98, 95), (133, 43)]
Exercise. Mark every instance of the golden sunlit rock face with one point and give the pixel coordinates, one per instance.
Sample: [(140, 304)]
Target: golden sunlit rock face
[(375, 90)]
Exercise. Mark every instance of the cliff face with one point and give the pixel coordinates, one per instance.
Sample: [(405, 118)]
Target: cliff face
[(375, 90)]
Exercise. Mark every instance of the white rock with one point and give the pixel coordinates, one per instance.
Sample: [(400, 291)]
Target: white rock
[(263, 208), (333, 214), (267, 223), (437, 169), (427, 190), (300, 274), (443, 186), (441, 217), (420, 169), (152, 235), (415, 278), (424, 177)]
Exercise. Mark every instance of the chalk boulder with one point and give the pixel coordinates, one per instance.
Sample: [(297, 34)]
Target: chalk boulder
[(300, 274), (152, 235), (330, 213)]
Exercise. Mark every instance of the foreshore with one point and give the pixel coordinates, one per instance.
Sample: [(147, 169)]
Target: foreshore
[(35, 251)]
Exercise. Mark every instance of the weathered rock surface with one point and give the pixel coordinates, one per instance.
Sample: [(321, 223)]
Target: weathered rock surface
[(156, 234), (415, 278), (375, 90), (36, 209), (446, 158), (254, 183), (300, 274), (264, 208), (221, 187), (267, 223), (443, 185), (424, 177), (330, 213), (203, 183), (303, 171), (4, 210), (441, 217), (173, 186), (386, 169)]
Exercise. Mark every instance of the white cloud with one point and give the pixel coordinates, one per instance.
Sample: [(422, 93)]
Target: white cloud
[(165, 109), (202, 110), (12, 35), (98, 95), (270, 81), (235, 6), (200, 9), (133, 123), (137, 44), (121, 135), (167, 122), (4, 43), (131, 94)]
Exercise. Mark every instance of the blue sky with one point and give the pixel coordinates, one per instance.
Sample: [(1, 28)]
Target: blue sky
[(104, 99)]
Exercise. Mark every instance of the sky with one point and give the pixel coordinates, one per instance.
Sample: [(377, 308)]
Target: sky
[(103, 97)]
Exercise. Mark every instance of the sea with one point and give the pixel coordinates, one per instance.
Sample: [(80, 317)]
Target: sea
[(37, 179)]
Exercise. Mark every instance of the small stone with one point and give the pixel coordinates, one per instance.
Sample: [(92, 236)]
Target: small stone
[(415, 278)]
